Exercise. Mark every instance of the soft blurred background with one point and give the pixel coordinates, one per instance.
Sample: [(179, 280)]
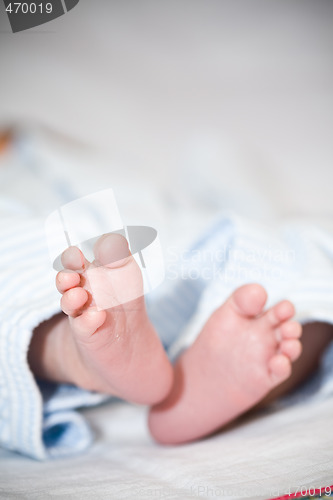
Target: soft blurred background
[(220, 104)]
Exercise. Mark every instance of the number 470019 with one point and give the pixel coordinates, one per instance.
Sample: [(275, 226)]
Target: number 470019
[(29, 8)]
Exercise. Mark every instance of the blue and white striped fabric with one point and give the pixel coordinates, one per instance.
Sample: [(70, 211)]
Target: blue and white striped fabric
[(39, 419), (294, 261), (27, 298)]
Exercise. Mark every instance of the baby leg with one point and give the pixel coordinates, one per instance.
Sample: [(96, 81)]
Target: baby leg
[(242, 353), (115, 351)]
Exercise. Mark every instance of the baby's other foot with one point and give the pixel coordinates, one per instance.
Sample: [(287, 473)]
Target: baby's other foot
[(114, 347), (241, 354)]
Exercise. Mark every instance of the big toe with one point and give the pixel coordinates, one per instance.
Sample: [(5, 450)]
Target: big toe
[(115, 278), (249, 300), (111, 250)]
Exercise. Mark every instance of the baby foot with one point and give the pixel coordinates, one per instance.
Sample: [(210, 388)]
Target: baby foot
[(240, 355), (117, 350)]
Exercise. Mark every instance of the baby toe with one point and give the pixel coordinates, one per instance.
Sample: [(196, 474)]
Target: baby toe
[(249, 300), (290, 330), (291, 348), (72, 258), (280, 312), (73, 300), (88, 322), (111, 250), (280, 368), (66, 280)]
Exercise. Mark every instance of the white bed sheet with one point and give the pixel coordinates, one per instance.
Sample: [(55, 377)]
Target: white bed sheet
[(258, 459)]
